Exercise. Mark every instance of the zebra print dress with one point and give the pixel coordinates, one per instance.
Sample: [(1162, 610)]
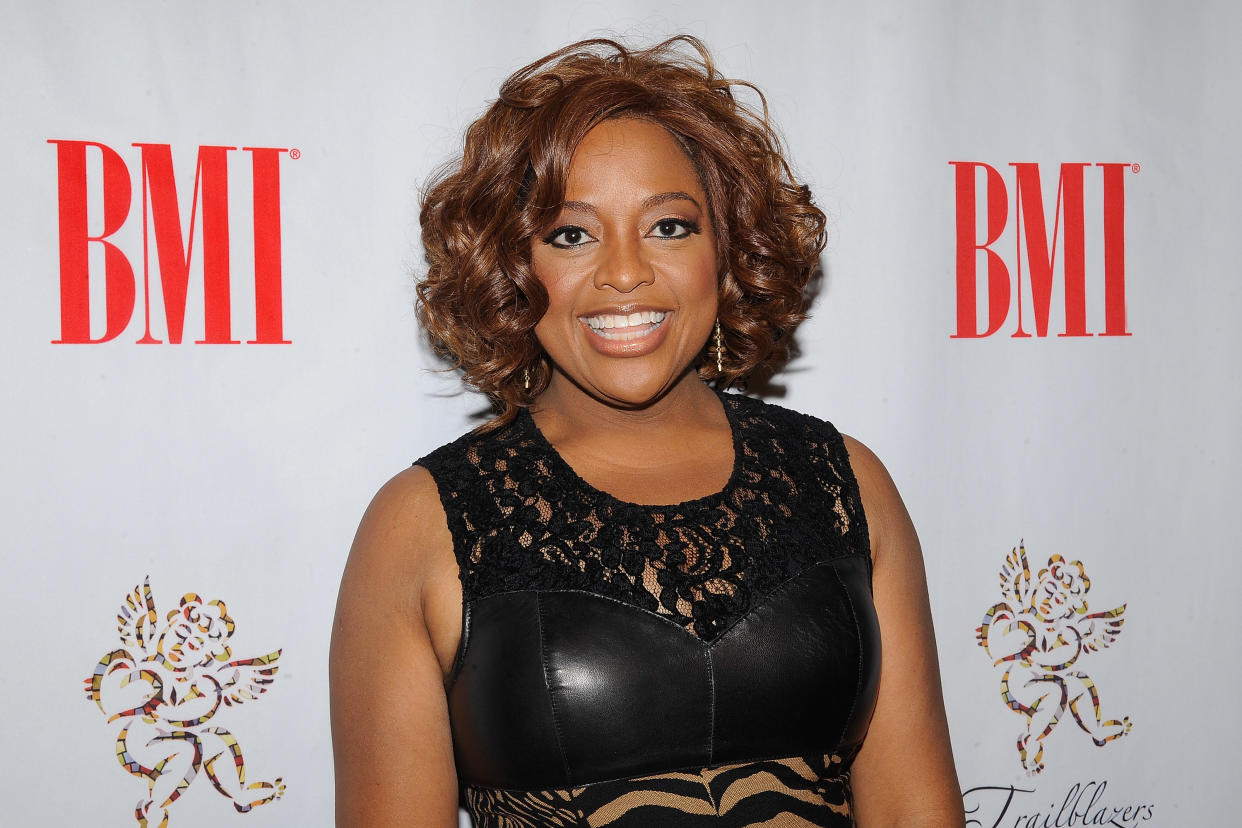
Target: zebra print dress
[(712, 663), (779, 793)]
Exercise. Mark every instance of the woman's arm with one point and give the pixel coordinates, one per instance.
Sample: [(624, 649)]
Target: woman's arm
[(904, 774), (390, 726)]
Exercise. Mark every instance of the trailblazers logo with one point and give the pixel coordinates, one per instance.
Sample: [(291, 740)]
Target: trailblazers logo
[(94, 205), (1037, 635), (165, 687), (1083, 804), (1098, 293)]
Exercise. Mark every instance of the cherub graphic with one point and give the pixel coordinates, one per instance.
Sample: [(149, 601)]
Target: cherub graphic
[(164, 687), (1039, 633)]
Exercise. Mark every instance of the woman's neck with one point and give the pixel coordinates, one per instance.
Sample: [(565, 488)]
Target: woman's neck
[(678, 448), (565, 409)]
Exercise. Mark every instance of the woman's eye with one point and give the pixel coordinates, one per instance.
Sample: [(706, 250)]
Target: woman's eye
[(567, 237), (673, 229)]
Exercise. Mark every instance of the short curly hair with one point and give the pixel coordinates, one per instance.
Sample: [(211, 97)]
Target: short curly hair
[(480, 299)]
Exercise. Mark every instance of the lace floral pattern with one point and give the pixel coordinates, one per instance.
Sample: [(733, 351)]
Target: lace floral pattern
[(521, 519)]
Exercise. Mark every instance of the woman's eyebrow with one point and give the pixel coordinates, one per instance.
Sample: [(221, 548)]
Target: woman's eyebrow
[(647, 203), (582, 207), (663, 198)]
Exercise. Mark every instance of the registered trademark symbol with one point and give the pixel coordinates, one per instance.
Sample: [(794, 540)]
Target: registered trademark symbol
[(296, 153), (1135, 168)]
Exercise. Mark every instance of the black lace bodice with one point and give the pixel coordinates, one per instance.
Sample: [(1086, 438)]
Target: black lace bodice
[(710, 662), (522, 519)]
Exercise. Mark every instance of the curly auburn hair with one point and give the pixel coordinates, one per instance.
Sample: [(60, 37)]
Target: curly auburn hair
[(481, 299)]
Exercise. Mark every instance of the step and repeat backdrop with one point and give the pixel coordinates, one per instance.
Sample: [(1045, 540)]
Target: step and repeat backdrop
[(1029, 309)]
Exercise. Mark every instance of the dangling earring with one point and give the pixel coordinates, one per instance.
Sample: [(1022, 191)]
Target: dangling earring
[(719, 343), (526, 378)]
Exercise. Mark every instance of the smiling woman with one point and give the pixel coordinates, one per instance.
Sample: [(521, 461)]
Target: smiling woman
[(481, 298), (631, 599)]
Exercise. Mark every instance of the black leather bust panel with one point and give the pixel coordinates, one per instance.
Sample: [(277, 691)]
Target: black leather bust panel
[(564, 687)]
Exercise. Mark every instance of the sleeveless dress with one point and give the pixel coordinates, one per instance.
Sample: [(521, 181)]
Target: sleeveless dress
[(712, 663)]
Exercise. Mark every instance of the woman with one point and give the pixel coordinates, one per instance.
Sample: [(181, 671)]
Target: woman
[(630, 599)]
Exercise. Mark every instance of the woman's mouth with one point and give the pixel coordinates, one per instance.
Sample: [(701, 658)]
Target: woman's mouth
[(623, 327)]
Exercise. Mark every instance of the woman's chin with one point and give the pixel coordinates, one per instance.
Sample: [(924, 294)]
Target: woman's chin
[(635, 389)]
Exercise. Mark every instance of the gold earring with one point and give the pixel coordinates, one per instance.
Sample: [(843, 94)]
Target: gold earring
[(719, 342), (526, 378)]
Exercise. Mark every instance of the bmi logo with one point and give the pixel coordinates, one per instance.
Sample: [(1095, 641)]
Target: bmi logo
[(97, 276), (1076, 249), (1038, 636), (165, 686)]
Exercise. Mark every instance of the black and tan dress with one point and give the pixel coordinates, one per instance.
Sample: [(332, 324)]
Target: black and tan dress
[(712, 663)]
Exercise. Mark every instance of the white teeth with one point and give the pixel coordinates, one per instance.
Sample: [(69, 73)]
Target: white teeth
[(607, 324), (619, 320)]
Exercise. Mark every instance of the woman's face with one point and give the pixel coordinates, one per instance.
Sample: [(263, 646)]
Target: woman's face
[(629, 264)]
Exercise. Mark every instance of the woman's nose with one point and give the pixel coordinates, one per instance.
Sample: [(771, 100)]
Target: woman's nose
[(623, 267)]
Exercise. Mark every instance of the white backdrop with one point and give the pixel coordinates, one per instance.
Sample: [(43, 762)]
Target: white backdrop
[(238, 472)]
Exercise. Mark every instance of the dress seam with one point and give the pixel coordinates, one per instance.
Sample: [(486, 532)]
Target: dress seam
[(849, 600), (556, 722), (711, 721), (684, 769)]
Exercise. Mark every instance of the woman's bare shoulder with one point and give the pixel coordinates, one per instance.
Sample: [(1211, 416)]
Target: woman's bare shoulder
[(403, 538), (408, 495), (881, 501), (405, 506)]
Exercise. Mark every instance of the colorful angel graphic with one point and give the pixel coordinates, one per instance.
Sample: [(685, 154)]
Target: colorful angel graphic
[(1039, 633), (164, 686)]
